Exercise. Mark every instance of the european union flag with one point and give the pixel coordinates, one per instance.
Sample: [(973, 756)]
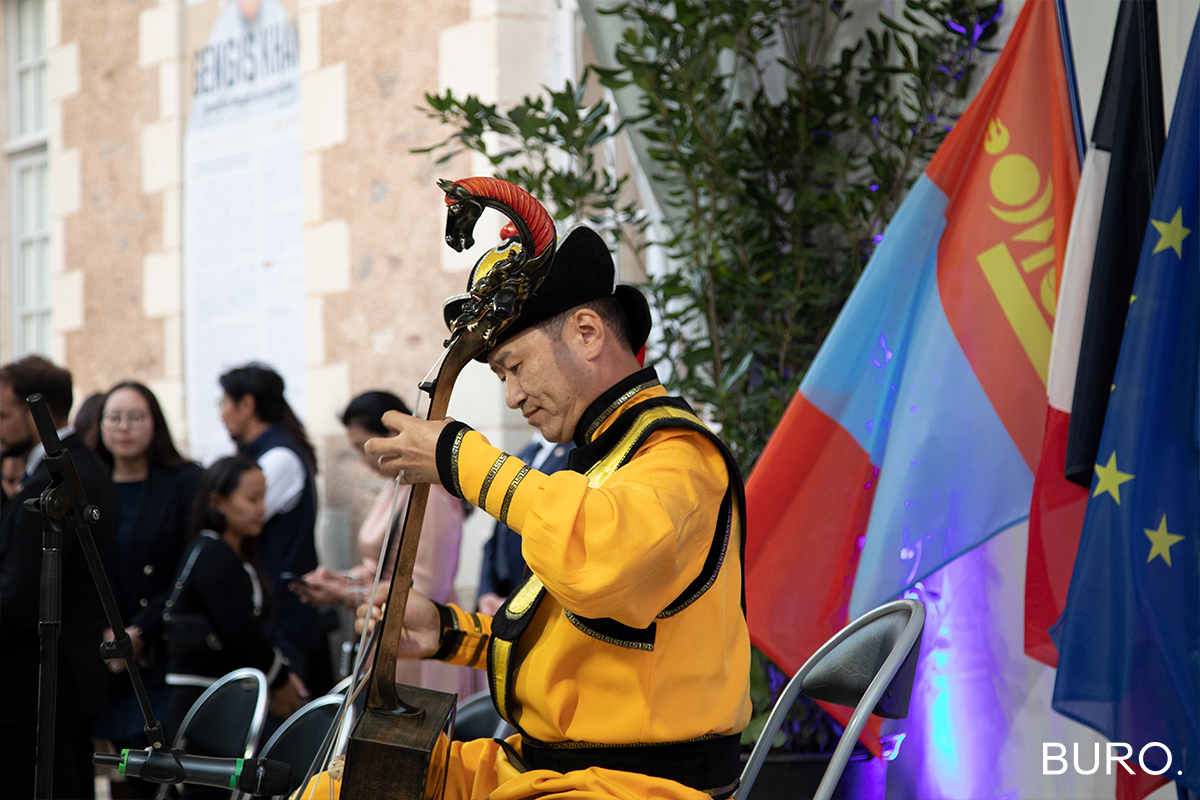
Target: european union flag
[(1129, 638)]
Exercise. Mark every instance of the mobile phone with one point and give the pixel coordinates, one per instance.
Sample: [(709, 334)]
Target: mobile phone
[(291, 576)]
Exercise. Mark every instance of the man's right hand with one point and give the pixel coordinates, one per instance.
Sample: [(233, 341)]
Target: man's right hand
[(422, 626)]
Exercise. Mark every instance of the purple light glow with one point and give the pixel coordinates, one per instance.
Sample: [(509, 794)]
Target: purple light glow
[(877, 238)]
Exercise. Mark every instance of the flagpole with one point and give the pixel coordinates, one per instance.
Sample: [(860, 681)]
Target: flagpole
[(1064, 34)]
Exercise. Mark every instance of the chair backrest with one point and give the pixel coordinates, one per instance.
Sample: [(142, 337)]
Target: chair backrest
[(299, 741), (342, 686), (869, 665), (476, 718), (227, 720)]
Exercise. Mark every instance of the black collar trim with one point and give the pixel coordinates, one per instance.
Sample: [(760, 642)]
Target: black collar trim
[(603, 406)]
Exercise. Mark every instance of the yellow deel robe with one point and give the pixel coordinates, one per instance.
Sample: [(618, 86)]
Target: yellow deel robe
[(634, 641)]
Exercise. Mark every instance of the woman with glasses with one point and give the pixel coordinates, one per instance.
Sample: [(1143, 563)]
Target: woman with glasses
[(157, 488)]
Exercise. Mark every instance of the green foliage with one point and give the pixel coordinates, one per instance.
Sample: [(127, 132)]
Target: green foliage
[(783, 160), (546, 145)]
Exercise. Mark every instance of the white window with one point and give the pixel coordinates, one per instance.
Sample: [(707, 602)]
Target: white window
[(31, 243), (27, 72), (29, 222)]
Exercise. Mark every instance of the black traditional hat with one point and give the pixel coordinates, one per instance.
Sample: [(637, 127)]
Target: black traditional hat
[(582, 270)]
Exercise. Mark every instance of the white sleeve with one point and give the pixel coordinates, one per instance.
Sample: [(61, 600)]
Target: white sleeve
[(284, 474)]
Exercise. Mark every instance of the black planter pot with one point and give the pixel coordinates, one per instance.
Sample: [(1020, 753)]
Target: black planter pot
[(796, 776)]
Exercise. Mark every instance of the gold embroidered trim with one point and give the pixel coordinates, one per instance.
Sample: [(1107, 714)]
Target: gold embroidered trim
[(723, 789), (512, 490), (606, 413), (670, 612), (491, 476), (454, 448), (578, 623), (602, 470), (501, 651), (522, 601)]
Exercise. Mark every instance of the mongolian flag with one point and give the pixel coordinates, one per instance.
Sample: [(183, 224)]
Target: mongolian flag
[(1129, 638), (917, 430), (1101, 259)]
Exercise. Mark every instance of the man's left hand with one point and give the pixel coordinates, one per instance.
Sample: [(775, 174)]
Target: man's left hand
[(412, 452)]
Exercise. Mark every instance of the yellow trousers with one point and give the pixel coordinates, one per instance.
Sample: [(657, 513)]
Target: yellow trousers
[(480, 769)]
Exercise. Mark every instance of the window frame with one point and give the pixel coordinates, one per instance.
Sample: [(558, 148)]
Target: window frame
[(41, 239), (16, 142), (28, 150)]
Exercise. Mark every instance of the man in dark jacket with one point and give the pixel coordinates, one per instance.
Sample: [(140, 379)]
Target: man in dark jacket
[(259, 419), (81, 672)]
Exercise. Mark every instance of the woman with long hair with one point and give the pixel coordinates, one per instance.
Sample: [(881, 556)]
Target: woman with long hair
[(217, 616), (156, 487), (437, 553)]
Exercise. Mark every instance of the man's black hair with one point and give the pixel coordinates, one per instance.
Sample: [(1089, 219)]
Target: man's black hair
[(607, 308), (265, 385), (368, 408), (34, 374)]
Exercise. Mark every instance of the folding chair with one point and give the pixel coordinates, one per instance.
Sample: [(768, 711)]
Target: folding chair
[(342, 686), (298, 741), (476, 718), (868, 665), (227, 720)]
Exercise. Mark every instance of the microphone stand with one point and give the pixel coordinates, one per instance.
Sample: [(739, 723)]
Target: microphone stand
[(63, 503)]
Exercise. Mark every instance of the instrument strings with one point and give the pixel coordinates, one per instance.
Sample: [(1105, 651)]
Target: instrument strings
[(339, 733)]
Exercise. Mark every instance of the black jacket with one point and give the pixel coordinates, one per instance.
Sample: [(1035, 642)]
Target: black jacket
[(143, 583), (81, 672), (220, 589)]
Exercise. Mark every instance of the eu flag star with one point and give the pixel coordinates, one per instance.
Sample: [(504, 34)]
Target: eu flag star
[(1171, 234), (1160, 541), (1109, 478)]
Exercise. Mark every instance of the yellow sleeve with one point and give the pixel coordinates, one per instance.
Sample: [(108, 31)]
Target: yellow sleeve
[(464, 638), (623, 550)]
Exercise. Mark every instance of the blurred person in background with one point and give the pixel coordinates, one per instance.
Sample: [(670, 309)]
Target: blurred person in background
[(82, 677), (502, 568), (157, 489), (437, 554), (12, 470), (217, 616), (266, 430), (87, 420)]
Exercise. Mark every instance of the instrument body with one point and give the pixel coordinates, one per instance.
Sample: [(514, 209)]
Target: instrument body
[(400, 745), (402, 755)]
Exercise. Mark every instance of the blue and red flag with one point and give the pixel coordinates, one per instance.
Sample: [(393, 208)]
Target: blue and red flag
[(917, 430), (1129, 637)]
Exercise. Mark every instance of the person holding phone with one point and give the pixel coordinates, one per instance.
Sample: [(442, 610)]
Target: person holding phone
[(437, 555)]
